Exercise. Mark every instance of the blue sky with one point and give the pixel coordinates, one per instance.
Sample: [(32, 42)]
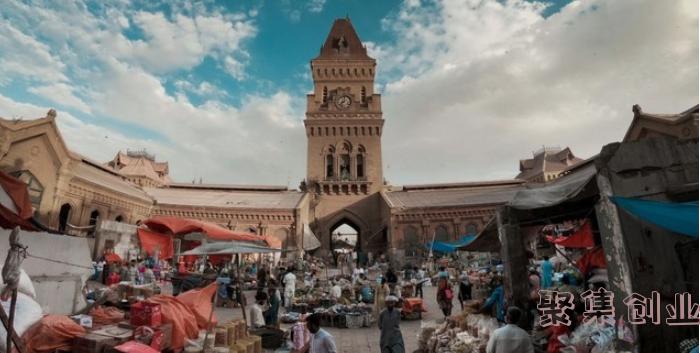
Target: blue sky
[(470, 86)]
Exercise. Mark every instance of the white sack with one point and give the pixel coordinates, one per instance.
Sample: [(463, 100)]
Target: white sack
[(27, 313)]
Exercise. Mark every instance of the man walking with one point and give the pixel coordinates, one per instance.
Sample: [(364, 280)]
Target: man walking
[(510, 338), (321, 341), (391, 340)]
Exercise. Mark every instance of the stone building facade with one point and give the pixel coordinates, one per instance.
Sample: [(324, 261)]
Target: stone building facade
[(344, 183)]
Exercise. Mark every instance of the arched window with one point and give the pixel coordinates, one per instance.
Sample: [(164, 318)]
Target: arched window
[(94, 218), (333, 71), (325, 94), (364, 94), (318, 72), (360, 162), (441, 233), (363, 71), (64, 217), (410, 240), (34, 187), (355, 71), (119, 218), (370, 71), (329, 165)]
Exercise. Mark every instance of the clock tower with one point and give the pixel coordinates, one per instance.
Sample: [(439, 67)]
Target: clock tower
[(344, 118), (344, 130)]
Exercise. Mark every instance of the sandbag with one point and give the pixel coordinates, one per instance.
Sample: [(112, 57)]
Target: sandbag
[(27, 313), (199, 301), (25, 284), (50, 333), (180, 315)]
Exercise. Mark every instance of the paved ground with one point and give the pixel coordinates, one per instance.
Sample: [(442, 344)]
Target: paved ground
[(365, 339)]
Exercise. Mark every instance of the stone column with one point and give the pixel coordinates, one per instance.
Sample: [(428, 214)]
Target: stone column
[(515, 282)]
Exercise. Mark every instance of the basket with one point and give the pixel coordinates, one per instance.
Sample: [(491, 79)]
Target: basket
[(367, 320), (354, 320)]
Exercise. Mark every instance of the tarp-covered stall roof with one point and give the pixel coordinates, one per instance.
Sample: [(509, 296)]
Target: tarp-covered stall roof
[(181, 226), (228, 248), (560, 190), (485, 241)]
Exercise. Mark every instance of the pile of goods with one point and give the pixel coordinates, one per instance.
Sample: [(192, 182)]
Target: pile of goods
[(230, 337), (464, 333)]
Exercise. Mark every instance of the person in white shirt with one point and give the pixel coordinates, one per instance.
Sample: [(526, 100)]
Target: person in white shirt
[(510, 338), (290, 283), (257, 319), (336, 291), (321, 341)]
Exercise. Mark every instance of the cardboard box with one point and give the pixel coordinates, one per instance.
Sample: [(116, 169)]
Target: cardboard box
[(93, 343)]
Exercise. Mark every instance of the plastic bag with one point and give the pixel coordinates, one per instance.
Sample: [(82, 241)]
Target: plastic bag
[(106, 315), (27, 313), (25, 284)]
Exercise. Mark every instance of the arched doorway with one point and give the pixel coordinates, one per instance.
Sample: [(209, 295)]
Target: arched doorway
[(64, 217), (94, 217), (345, 241), (119, 219)]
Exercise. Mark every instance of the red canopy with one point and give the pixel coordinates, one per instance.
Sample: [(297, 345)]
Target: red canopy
[(583, 238), (180, 226), (150, 241), (16, 190)]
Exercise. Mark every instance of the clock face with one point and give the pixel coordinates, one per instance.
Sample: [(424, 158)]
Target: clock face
[(343, 102)]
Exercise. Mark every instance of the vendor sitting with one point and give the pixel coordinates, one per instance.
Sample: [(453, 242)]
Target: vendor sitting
[(336, 291), (257, 319), (346, 298)]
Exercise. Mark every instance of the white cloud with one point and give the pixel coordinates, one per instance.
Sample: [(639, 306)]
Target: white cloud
[(316, 5), (203, 89), (93, 141), (24, 57), (473, 86), (62, 94), (184, 42)]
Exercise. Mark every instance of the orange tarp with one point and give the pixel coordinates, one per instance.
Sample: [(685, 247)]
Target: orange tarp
[(180, 226), (200, 301), (180, 315), (50, 333), (150, 241)]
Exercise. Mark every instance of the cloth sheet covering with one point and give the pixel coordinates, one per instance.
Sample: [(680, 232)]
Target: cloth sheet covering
[(450, 247), (50, 333), (679, 217), (582, 238), (592, 258), (15, 204)]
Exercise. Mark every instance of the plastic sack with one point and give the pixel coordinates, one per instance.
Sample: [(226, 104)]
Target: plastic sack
[(27, 313), (50, 333), (106, 315), (25, 284), (180, 315), (199, 301), (135, 347)]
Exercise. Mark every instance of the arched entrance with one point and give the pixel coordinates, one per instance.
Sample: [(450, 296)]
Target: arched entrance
[(345, 241), (63, 217)]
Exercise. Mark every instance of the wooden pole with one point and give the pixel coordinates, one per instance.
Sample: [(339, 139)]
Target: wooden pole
[(240, 287)]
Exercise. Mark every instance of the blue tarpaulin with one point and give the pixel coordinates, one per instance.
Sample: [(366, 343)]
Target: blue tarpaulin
[(446, 247), (679, 217)]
